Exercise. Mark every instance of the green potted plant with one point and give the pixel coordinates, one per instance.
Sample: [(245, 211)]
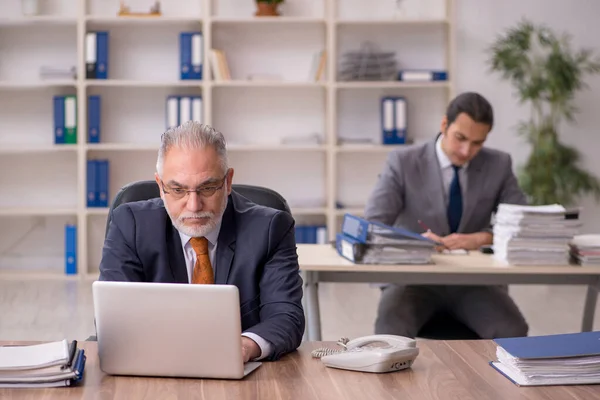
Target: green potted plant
[(547, 73), (267, 8)]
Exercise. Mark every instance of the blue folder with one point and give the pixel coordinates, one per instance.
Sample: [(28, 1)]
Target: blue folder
[(552, 346)]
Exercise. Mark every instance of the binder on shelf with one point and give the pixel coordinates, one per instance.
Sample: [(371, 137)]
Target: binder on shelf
[(197, 109), (94, 111), (102, 55), (91, 191), (102, 179), (59, 119), (400, 120), (96, 55), (70, 249), (97, 183), (185, 109), (393, 120), (90, 55), (70, 119), (191, 54), (422, 75), (172, 112)]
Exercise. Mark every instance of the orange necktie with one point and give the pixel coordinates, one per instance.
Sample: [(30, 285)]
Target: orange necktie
[(203, 272)]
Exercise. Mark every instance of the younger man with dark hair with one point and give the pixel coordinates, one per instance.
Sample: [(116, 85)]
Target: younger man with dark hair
[(453, 185)]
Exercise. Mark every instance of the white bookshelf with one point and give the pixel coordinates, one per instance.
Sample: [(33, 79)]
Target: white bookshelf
[(43, 185)]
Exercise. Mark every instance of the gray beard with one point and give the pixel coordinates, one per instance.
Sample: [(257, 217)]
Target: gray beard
[(197, 231)]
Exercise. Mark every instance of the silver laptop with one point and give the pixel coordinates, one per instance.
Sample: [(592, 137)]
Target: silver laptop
[(169, 330)]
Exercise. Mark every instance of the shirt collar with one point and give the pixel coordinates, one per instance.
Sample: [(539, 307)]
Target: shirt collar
[(212, 236), (442, 157)]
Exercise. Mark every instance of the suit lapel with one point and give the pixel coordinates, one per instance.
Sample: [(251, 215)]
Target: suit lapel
[(176, 257), (226, 245), (431, 176), (475, 186)]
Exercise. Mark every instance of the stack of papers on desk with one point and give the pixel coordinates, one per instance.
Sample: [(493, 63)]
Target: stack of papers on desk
[(567, 359), (368, 242), (585, 250), (52, 364), (533, 235)]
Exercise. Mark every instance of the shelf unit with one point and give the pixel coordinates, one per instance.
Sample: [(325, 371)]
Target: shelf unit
[(253, 115)]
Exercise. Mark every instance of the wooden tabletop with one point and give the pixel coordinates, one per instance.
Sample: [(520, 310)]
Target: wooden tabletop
[(323, 257), (443, 370)]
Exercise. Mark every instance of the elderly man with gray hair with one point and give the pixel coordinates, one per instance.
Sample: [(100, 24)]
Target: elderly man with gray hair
[(201, 232)]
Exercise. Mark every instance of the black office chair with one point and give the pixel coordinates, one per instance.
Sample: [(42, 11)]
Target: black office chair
[(145, 190)]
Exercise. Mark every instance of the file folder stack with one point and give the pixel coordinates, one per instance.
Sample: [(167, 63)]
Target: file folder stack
[(585, 250), (54, 364), (367, 242), (97, 183), (565, 359), (533, 235), (181, 109), (393, 120)]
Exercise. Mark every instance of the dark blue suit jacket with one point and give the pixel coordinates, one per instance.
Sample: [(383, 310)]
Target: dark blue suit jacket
[(256, 252)]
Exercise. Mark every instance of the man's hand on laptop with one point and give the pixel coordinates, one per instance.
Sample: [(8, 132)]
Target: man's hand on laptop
[(250, 349)]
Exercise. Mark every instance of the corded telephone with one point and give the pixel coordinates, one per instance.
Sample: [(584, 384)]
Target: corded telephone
[(375, 353)]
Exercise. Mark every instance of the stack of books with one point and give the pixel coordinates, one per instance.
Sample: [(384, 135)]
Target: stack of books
[(566, 359), (585, 250), (533, 235), (367, 242), (54, 364)]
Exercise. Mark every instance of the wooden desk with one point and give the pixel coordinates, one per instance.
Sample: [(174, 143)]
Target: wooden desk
[(321, 263), (443, 370)]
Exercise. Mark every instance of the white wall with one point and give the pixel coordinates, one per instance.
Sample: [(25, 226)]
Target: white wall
[(478, 24)]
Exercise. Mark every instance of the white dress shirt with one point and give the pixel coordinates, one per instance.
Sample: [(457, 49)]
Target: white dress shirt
[(190, 262), (448, 171)]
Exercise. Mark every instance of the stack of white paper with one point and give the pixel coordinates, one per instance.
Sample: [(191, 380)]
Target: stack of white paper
[(562, 359), (533, 235), (42, 365), (585, 250)]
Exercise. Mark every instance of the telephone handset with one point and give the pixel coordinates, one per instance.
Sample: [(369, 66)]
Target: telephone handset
[(375, 353)]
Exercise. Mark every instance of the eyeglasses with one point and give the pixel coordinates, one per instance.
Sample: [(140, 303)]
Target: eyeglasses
[(204, 191)]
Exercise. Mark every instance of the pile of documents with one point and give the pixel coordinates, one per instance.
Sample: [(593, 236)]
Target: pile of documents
[(367, 242), (533, 235), (585, 250), (566, 359), (53, 364)]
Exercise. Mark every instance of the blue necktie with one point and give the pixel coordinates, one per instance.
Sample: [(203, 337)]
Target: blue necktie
[(454, 202)]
